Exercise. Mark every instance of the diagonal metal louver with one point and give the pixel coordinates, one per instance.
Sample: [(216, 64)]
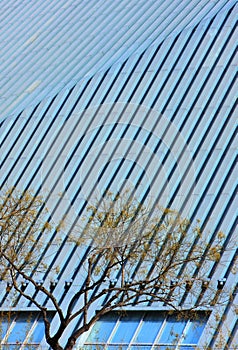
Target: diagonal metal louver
[(48, 46), (157, 114)]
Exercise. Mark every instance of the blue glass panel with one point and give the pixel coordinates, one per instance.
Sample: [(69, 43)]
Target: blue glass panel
[(194, 331), (172, 330), (39, 330), (141, 347), (164, 347), (117, 347), (21, 328), (102, 329), (127, 328), (5, 322), (38, 333), (150, 328)]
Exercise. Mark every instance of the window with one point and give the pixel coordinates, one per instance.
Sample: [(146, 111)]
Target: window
[(17, 328), (146, 331)]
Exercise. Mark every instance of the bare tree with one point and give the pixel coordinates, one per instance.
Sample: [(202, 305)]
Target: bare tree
[(135, 254)]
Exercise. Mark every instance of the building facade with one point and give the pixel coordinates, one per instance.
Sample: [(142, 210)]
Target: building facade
[(99, 95)]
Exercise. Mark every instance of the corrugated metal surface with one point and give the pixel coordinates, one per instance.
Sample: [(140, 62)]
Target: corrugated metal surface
[(161, 117), (45, 46)]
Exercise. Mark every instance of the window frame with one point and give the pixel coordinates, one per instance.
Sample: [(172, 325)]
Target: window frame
[(27, 341), (202, 315)]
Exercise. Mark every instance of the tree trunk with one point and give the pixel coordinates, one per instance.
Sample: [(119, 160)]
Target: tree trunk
[(72, 340), (70, 344), (53, 343)]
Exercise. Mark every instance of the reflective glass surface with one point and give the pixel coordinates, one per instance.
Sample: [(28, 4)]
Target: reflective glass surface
[(194, 332), (149, 329), (173, 330), (165, 347), (39, 330), (103, 328), (126, 328), (94, 347), (22, 326), (19, 328), (141, 347), (5, 322), (146, 331)]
